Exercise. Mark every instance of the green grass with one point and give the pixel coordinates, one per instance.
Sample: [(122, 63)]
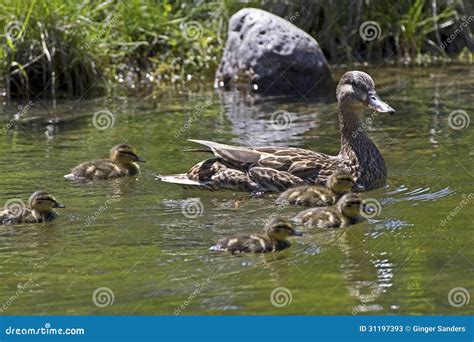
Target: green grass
[(53, 48), (82, 48)]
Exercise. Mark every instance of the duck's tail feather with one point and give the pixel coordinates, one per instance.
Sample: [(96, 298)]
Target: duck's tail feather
[(183, 180), (70, 176), (206, 150)]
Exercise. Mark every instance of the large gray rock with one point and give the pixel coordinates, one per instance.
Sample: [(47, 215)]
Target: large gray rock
[(272, 56)]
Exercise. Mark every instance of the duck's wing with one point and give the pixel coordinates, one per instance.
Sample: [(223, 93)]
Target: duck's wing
[(235, 155), (212, 174), (273, 180)]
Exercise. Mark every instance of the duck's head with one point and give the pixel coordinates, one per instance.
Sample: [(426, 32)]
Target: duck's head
[(341, 182), (350, 205), (280, 229), (124, 154), (356, 90), (43, 201)]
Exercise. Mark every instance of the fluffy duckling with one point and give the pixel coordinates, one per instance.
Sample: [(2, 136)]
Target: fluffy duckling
[(39, 209), (123, 162), (346, 212), (275, 238), (338, 184)]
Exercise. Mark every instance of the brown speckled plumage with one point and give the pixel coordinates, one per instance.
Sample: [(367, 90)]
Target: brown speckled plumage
[(274, 239), (346, 212), (39, 209), (337, 185), (276, 169), (122, 163)]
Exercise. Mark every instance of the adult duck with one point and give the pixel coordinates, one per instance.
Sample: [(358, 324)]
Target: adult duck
[(276, 169)]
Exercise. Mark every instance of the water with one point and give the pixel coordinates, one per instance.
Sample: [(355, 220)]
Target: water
[(154, 260)]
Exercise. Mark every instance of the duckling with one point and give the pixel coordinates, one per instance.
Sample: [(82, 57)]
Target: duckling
[(123, 162), (39, 209), (274, 239), (346, 212), (338, 184)]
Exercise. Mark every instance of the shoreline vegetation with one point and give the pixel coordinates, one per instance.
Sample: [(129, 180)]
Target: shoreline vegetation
[(84, 48)]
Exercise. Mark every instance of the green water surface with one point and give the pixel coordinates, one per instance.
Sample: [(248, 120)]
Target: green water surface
[(151, 259)]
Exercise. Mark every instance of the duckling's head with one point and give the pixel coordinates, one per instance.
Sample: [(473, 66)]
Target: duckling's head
[(350, 205), (280, 229), (124, 154), (341, 182), (356, 90), (43, 201)]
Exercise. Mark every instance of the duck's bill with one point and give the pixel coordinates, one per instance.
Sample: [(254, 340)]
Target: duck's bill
[(140, 160), (297, 233), (378, 105), (57, 205)]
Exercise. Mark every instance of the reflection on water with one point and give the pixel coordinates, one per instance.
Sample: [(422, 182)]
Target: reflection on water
[(135, 236)]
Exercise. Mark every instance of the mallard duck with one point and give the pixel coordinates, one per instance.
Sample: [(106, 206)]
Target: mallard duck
[(337, 185), (276, 169), (39, 209), (275, 238), (346, 212), (123, 162)]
